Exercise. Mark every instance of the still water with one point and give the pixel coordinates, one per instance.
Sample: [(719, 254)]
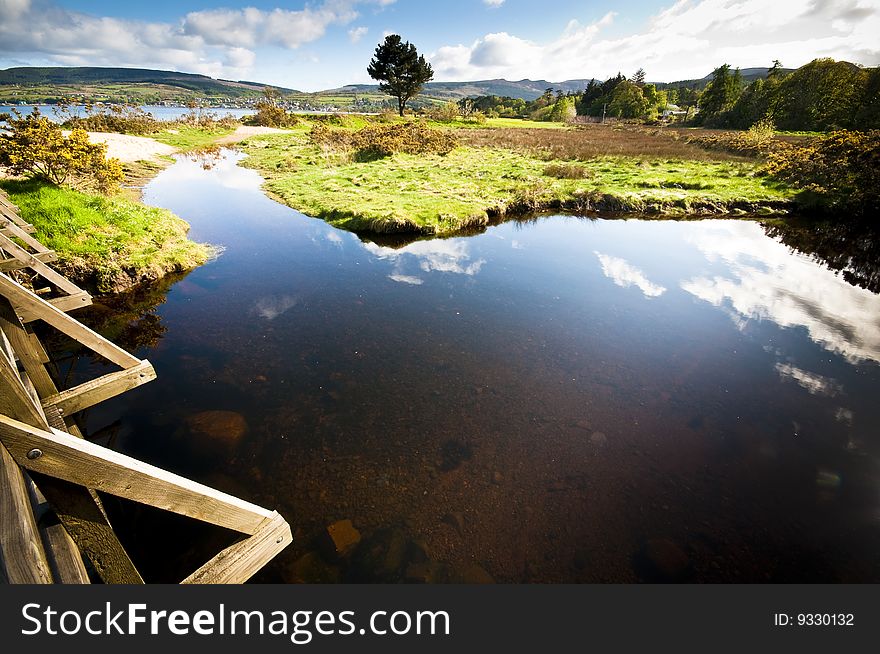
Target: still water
[(159, 112), (555, 400)]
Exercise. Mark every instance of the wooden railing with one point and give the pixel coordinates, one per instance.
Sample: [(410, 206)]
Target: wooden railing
[(47, 466)]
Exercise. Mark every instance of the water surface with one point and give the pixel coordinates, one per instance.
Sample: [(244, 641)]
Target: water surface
[(556, 400)]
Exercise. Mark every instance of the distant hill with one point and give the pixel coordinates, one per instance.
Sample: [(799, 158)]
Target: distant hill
[(525, 89), (72, 77), (748, 75)]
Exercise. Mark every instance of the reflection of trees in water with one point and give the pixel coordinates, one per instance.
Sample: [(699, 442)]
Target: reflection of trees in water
[(128, 319), (849, 247), (207, 157)]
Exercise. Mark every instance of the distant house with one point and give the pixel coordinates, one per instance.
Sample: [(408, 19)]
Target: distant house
[(672, 111)]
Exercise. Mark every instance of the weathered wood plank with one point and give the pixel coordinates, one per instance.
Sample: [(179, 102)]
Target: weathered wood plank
[(66, 303), (38, 266), (19, 230), (239, 562), (12, 215), (22, 558), (8, 265), (100, 389), (64, 558), (88, 464), (78, 508), (19, 295)]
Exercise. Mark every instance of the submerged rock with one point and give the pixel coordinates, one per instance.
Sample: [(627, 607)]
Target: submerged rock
[(342, 538), (225, 426), (311, 569)]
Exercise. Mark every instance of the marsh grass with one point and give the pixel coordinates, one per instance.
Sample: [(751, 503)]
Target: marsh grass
[(473, 185), (106, 243), (589, 141)]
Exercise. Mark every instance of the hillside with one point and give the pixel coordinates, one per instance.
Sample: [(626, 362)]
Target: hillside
[(525, 89), (32, 84), (748, 75)]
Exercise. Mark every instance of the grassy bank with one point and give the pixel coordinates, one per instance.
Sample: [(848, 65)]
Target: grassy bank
[(106, 244), (496, 172)]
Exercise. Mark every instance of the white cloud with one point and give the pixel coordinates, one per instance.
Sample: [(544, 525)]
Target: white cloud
[(270, 307), (355, 34), (407, 279), (683, 41), (813, 383), (766, 281), (625, 275), (438, 255), (216, 42), (493, 3)]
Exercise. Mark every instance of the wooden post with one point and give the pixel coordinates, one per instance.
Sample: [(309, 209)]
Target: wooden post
[(78, 508)]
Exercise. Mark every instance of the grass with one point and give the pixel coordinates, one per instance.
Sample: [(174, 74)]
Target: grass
[(500, 173), (191, 138), (108, 244)]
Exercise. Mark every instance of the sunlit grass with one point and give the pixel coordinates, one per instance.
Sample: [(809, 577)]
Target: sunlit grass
[(103, 241)]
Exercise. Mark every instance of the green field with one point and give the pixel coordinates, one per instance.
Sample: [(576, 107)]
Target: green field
[(470, 186), (108, 244)]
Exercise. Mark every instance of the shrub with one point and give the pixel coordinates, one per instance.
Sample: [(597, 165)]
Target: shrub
[(123, 119), (838, 172), (566, 171), (758, 141), (36, 147), (445, 113), (271, 115), (378, 141)]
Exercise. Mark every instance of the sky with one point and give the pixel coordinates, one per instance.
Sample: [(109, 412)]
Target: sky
[(322, 44)]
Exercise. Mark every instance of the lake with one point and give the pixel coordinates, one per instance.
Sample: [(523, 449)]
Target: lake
[(159, 112), (561, 399)]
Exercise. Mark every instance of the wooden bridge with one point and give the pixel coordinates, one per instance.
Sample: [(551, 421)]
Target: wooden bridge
[(53, 526)]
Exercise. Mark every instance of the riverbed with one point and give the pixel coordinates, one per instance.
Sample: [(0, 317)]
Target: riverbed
[(563, 399)]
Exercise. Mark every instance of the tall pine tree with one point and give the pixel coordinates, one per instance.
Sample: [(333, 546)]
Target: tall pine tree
[(401, 70)]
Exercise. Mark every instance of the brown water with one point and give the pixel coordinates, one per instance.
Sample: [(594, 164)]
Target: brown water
[(561, 400)]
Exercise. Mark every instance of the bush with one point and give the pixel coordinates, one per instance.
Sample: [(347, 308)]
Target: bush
[(123, 119), (271, 115), (566, 171), (758, 141), (378, 141), (445, 113), (35, 147), (840, 172)]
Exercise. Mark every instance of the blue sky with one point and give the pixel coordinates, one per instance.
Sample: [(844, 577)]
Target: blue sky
[(323, 44)]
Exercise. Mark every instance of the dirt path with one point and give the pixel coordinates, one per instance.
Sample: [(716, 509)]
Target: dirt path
[(244, 132), (128, 148)]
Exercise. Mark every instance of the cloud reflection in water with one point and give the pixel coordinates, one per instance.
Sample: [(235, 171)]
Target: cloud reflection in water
[(766, 280)]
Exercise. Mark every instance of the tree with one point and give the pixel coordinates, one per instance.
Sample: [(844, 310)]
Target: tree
[(628, 101), (401, 70), (36, 147), (719, 95), (639, 78)]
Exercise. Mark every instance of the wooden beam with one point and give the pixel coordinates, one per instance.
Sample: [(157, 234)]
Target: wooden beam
[(239, 562), (7, 265), (38, 266), (103, 388), (22, 233), (88, 464), (12, 215), (64, 558), (78, 508), (22, 558), (21, 296), (65, 303)]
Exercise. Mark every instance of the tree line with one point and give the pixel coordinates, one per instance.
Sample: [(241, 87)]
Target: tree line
[(823, 95)]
